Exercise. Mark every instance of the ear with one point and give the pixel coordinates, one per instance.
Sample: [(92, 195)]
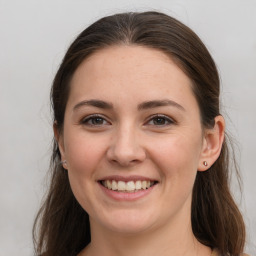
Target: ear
[(59, 139), (212, 144)]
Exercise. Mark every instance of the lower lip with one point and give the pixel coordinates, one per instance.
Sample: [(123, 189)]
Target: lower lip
[(126, 196)]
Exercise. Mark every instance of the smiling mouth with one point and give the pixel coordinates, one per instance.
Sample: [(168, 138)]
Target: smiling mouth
[(129, 186)]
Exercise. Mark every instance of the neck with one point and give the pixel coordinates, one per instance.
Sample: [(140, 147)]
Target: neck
[(175, 238)]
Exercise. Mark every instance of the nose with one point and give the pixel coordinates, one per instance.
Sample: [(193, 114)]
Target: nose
[(125, 148)]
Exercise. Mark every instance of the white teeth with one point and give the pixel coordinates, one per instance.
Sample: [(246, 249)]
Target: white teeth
[(129, 186), (144, 184), (114, 185), (121, 186), (109, 185), (138, 184)]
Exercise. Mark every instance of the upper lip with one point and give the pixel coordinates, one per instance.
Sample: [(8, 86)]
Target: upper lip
[(127, 178)]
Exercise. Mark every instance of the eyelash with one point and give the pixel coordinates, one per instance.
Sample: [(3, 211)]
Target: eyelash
[(164, 118), (94, 117), (91, 118)]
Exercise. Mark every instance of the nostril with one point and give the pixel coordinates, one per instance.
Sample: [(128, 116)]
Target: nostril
[(126, 159)]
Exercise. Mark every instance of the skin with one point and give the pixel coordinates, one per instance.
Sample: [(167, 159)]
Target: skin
[(126, 141)]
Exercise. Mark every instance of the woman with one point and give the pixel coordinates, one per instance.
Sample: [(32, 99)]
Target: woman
[(140, 162)]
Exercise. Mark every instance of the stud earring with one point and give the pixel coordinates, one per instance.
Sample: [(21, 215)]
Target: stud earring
[(205, 163), (63, 162)]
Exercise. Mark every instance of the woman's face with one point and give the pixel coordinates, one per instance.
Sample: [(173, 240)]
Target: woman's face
[(132, 139)]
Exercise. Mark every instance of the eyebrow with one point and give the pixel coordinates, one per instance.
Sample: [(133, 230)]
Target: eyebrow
[(159, 103), (95, 103), (142, 106)]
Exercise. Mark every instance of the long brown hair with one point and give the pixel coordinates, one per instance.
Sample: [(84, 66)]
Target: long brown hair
[(62, 226)]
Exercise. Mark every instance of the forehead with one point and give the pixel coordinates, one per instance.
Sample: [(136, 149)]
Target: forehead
[(132, 61), (135, 71)]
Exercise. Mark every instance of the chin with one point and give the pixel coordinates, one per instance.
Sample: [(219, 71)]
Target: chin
[(128, 222)]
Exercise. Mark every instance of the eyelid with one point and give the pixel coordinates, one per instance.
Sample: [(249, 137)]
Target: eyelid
[(85, 119), (167, 118)]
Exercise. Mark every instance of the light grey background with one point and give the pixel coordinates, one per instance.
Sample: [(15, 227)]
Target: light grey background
[(33, 38)]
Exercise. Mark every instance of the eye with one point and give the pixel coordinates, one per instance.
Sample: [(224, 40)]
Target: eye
[(160, 120), (94, 120)]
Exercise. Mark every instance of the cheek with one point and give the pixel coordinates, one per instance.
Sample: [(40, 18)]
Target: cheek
[(178, 155), (176, 160), (83, 154)]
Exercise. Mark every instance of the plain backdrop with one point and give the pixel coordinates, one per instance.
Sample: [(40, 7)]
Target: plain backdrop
[(34, 36)]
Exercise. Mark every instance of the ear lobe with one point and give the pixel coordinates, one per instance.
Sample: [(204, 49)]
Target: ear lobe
[(212, 144)]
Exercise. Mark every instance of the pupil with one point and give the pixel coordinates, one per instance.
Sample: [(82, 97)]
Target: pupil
[(97, 120), (159, 120)]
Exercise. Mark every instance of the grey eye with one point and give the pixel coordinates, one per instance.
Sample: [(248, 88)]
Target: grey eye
[(97, 120), (160, 121), (94, 121)]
